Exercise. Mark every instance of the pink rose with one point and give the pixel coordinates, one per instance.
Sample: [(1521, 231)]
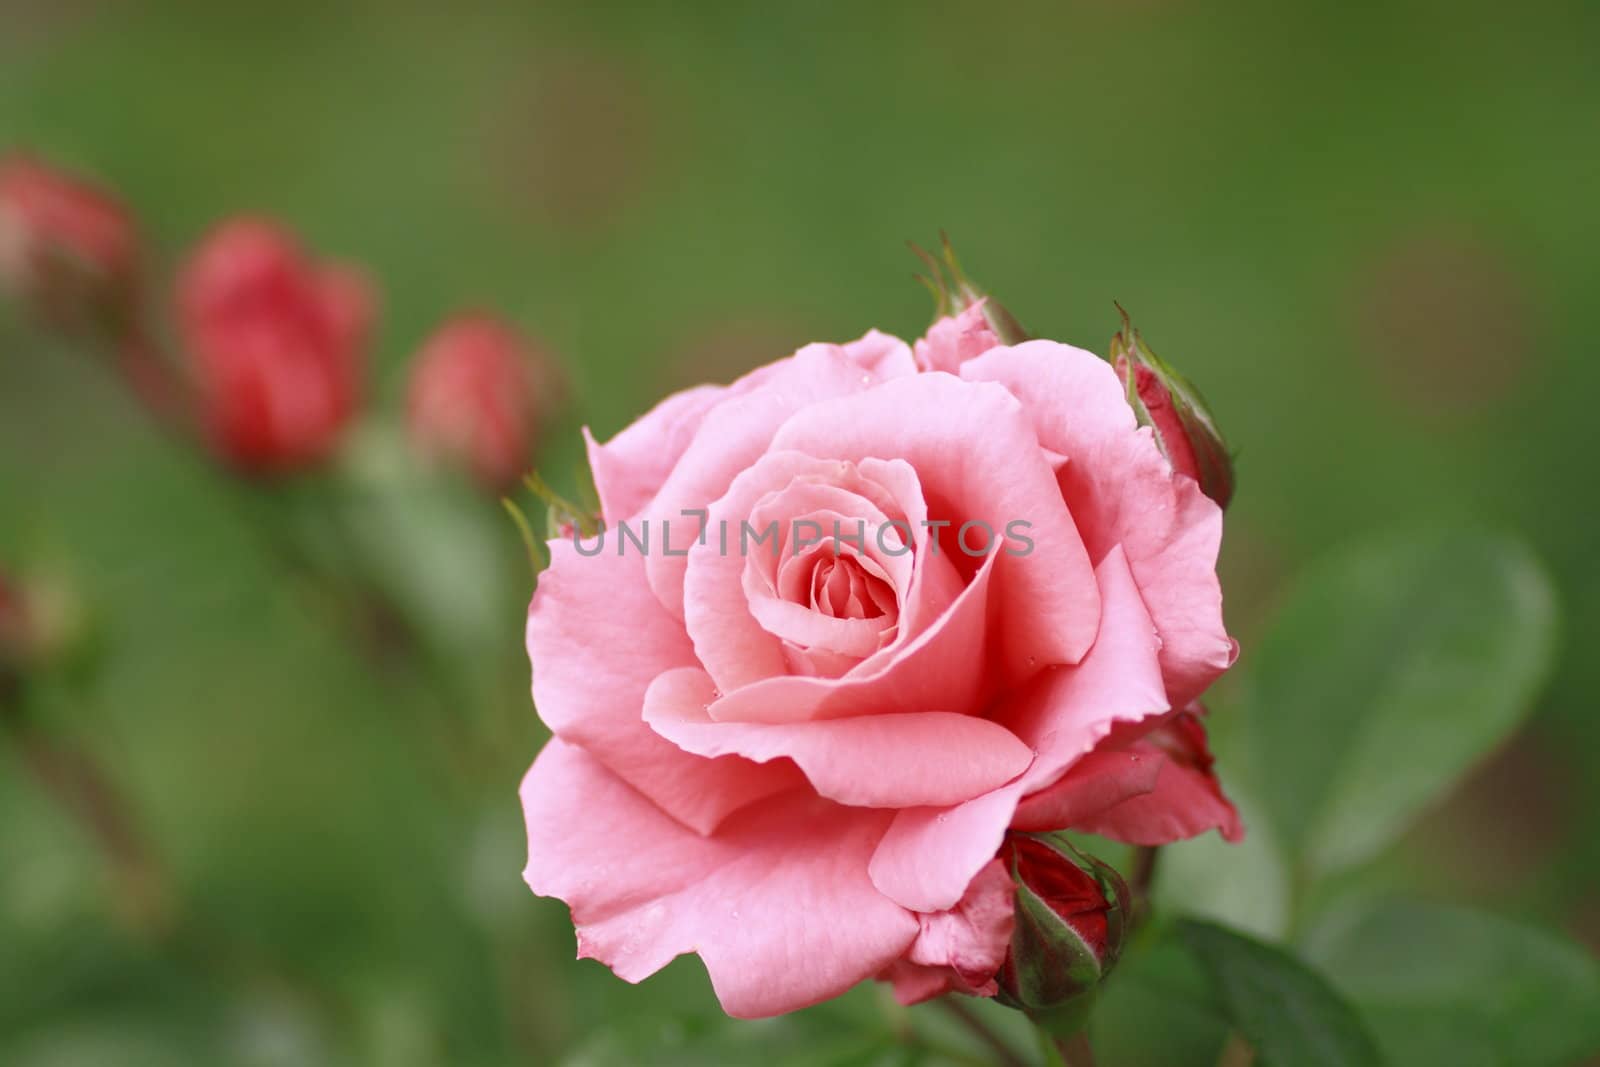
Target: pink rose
[(799, 759)]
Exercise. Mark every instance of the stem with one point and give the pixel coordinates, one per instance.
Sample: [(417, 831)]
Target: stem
[(1075, 1050), (1141, 878), (1236, 1053), (78, 784), (1003, 1052), (143, 889)]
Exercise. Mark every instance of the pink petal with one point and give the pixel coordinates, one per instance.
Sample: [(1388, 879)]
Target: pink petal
[(935, 669), (629, 469), (955, 339), (730, 641), (1186, 801), (777, 903), (1121, 491), (1066, 711), (976, 453), (1096, 783), (597, 638), (930, 855), (730, 439), (881, 354), (873, 761), (961, 949)]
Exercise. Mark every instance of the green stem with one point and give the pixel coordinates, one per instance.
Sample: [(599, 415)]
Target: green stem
[(1141, 880), (1075, 1050), (77, 783), (1236, 1053), (964, 1015)]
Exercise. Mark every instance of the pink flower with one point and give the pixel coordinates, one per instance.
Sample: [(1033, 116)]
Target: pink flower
[(62, 239), (474, 398), (275, 344), (800, 759)]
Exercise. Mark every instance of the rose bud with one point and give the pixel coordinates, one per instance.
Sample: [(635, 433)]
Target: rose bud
[(44, 625), (1071, 916), (474, 399), (67, 247), (1169, 403), (968, 322), (13, 627), (275, 344)]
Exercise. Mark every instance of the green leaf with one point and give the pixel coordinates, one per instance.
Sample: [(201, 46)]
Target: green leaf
[(1244, 886), (1462, 988), (1393, 668), (1158, 979), (1290, 1015)]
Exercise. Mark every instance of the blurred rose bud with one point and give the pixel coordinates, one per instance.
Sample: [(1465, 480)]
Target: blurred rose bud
[(275, 343), (475, 399), (43, 625), (1167, 402), (67, 247), (1071, 916), (13, 627)]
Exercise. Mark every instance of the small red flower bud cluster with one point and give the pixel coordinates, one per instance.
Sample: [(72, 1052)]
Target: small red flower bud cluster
[(273, 339)]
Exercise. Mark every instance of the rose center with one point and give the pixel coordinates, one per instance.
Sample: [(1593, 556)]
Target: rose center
[(842, 588)]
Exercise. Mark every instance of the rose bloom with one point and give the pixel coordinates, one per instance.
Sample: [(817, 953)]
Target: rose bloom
[(799, 760), (275, 345)]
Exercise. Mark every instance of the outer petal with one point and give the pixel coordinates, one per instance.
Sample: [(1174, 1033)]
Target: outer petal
[(882, 354), (1065, 712), (597, 638), (1121, 491), (777, 903), (960, 950), (975, 452), (629, 468), (1186, 800), (871, 761), (1097, 783), (930, 855)]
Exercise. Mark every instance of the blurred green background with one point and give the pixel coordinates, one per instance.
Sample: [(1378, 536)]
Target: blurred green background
[(1368, 232)]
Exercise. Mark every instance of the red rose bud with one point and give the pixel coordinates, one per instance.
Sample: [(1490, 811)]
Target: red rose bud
[(1071, 916), (1169, 403), (66, 247), (275, 343), (475, 399)]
